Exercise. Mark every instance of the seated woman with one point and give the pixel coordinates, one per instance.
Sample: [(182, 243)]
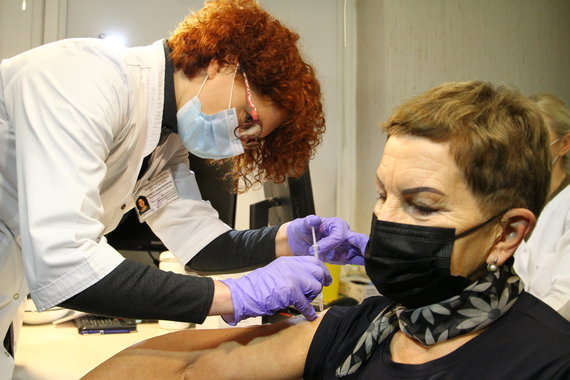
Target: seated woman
[(464, 174)]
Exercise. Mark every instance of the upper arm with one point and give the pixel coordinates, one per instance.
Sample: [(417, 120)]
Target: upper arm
[(279, 355), (276, 351)]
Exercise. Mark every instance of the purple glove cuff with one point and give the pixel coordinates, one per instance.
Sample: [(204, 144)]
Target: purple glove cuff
[(287, 281), (232, 320)]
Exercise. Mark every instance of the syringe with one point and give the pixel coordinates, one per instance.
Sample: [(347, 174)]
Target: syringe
[(316, 250)]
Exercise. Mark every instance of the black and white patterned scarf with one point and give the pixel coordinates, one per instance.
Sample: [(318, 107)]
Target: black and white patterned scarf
[(477, 306)]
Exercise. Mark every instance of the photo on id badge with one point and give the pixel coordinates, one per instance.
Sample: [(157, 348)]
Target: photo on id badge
[(142, 204), (155, 194)]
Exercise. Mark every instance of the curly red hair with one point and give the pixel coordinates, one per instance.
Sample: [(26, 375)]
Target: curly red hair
[(240, 31)]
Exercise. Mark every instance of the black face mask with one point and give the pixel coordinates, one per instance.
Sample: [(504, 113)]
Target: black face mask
[(410, 264)]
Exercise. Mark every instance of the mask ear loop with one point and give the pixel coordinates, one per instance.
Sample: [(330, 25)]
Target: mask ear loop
[(232, 89), (473, 229), (202, 86), (490, 267), (229, 127), (557, 156)]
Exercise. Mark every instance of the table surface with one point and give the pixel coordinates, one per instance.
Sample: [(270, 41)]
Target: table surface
[(59, 352)]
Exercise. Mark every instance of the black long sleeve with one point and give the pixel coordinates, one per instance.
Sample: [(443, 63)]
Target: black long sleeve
[(236, 251), (135, 290)]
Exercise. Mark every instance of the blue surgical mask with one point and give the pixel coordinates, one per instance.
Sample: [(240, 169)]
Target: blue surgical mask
[(208, 136)]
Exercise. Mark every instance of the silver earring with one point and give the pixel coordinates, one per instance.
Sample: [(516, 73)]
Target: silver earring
[(493, 267)]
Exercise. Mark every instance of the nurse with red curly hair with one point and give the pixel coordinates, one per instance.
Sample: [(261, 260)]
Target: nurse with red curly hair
[(87, 128)]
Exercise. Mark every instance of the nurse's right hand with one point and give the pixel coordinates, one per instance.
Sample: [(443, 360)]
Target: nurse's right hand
[(287, 281), (336, 242)]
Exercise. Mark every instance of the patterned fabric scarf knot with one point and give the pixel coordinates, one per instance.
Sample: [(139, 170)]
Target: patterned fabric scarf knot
[(477, 306)]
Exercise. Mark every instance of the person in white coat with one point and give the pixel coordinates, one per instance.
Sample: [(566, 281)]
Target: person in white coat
[(543, 262), (86, 128)]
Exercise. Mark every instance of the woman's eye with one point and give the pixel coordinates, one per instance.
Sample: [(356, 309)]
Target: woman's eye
[(422, 210), (248, 118), (380, 196)]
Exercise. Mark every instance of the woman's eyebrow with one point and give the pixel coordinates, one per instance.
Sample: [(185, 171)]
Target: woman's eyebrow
[(379, 183), (416, 190)]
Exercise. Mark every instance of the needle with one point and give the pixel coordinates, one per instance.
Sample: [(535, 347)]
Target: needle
[(316, 250)]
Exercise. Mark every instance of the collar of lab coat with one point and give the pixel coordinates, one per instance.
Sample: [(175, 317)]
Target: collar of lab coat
[(560, 187), (169, 120), (156, 87)]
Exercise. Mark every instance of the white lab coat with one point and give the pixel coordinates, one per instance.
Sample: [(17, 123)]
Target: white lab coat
[(543, 262), (77, 117)]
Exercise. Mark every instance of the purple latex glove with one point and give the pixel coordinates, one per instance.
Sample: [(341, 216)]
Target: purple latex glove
[(337, 243), (287, 281)]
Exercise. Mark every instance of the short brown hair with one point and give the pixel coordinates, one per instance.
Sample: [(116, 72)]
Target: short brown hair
[(240, 31), (497, 138), (557, 118)]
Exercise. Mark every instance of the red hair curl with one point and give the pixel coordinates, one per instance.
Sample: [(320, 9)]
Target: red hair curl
[(233, 31)]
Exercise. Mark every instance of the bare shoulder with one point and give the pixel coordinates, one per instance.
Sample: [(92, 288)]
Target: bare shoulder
[(275, 351)]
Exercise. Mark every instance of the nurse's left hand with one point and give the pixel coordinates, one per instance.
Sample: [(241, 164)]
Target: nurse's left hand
[(286, 281), (336, 242)]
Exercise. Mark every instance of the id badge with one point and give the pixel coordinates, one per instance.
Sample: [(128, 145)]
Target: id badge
[(155, 194)]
